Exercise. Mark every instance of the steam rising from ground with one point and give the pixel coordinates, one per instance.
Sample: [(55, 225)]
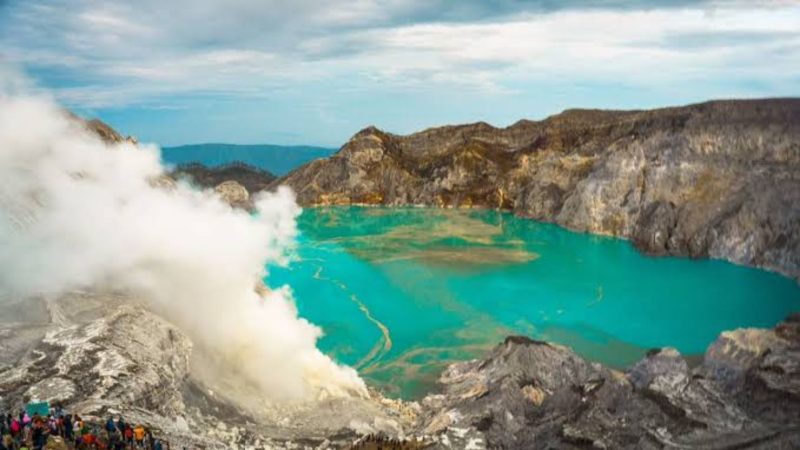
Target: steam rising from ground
[(76, 213)]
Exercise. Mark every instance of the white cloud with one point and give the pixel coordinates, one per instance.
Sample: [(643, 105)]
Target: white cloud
[(127, 54)]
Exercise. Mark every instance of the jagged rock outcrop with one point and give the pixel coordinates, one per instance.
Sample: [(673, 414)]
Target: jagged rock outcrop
[(530, 394), (718, 179), (103, 130), (97, 353), (234, 194)]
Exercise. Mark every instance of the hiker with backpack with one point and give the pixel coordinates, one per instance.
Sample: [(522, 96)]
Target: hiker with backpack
[(111, 428)]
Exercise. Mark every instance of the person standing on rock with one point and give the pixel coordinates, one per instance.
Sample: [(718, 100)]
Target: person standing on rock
[(67, 427), (52, 425), (113, 439), (38, 433), (16, 430), (151, 442), (128, 434), (121, 425), (77, 427), (138, 434), (59, 431), (7, 440), (111, 429)]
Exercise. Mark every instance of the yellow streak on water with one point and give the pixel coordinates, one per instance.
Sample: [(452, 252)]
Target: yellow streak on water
[(452, 257), (598, 296), (430, 244), (383, 345), (457, 224), (426, 243)]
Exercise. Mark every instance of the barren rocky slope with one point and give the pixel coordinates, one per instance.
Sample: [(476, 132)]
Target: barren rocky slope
[(718, 179), (530, 394), (99, 353)]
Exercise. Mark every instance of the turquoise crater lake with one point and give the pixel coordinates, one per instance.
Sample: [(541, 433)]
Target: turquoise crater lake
[(402, 292)]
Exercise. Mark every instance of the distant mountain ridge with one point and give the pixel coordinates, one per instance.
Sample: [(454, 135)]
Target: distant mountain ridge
[(251, 178), (277, 159)]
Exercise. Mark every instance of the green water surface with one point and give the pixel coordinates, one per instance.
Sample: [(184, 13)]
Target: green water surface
[(402, 292)]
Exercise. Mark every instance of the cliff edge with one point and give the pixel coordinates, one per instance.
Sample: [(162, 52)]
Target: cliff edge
[(719, 179)]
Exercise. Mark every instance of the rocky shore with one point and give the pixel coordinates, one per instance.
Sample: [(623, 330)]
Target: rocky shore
[(104, 353), (718, 179), (531, 394)]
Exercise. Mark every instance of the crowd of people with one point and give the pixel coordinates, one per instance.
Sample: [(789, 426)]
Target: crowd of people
[(41, 432)]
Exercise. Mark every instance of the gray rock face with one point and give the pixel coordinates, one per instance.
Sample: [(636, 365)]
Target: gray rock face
[(529, 394), (104, 353), (101, 353), (718, 179)]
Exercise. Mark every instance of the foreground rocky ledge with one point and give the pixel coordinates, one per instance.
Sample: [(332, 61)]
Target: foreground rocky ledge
[(718, 179), (531, 394), (103, 352)]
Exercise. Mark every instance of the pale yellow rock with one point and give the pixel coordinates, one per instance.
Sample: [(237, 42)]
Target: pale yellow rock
[(55, 443), (439, 423), (163, 182), (475, 391), (233, 193), (533, 394)]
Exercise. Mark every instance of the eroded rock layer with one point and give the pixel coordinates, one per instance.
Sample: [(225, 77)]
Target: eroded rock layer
[(718, 179), (530, 394)]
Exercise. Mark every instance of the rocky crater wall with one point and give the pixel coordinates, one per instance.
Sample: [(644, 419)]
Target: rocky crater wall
[(718, 179)]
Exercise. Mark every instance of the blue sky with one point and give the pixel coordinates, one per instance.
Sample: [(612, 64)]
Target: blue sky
[(317, 71)]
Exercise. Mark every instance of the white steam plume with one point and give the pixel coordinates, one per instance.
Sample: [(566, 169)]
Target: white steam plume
[(76, 212)]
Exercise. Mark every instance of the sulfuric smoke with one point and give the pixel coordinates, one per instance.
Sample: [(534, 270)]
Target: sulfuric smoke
[(76, 212)]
